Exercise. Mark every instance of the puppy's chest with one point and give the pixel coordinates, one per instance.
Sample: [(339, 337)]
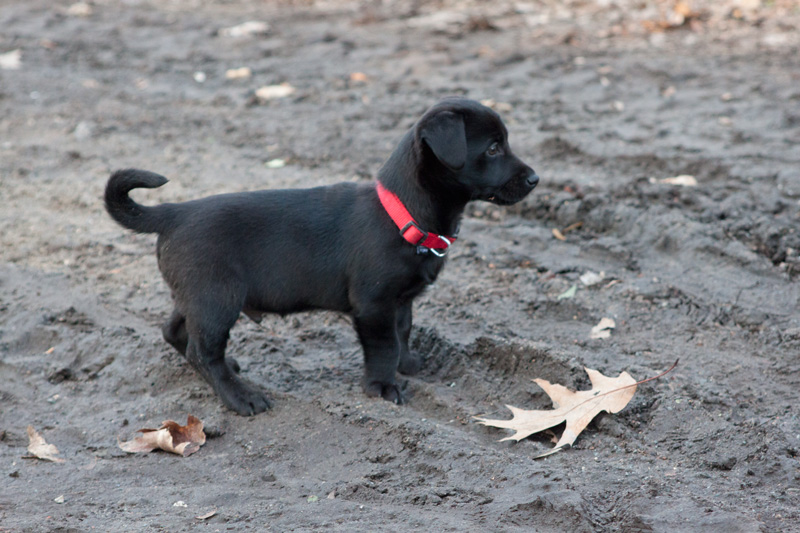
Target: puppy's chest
[(425, 274)]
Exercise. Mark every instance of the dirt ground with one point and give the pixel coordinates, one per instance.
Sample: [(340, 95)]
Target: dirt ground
[(603, 98)]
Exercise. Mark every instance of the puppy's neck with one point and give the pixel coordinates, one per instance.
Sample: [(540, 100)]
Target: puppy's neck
[(424, 194)]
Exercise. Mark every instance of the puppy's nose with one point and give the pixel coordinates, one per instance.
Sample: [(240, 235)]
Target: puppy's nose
[(532, 179)]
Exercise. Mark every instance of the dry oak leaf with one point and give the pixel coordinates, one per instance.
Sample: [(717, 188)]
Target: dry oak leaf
[(39, 449), (577, 409), (170, 437)]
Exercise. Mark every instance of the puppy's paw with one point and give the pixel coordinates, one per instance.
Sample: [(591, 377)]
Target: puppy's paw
[(409, 364), (387, 391), (243, 397)]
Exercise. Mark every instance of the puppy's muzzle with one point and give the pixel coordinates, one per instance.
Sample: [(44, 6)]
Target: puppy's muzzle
[(516, 188)]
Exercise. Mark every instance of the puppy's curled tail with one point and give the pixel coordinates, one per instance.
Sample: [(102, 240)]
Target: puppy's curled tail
[(125, 211)]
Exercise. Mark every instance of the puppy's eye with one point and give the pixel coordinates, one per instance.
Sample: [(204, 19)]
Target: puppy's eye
[(493, 150)]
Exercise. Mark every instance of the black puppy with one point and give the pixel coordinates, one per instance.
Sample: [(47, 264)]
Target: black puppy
[(334, 247)]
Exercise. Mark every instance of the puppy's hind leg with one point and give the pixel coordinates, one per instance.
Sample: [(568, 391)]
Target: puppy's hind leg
[(174, 331), (207, 338)]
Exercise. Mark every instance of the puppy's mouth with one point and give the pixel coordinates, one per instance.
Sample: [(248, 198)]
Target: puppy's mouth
[(512, 191), (498, 200)]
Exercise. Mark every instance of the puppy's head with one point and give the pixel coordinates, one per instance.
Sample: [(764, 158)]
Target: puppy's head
[(465, 147)]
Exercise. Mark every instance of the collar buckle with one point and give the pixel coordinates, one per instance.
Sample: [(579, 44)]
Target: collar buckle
[(437, 253), (444, 251), (423, 234)]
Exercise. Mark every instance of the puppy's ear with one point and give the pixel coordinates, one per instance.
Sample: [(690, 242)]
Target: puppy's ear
[(445, 136)]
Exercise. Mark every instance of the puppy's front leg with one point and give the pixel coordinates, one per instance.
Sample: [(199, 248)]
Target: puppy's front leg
[(377, 331), (409, 363)]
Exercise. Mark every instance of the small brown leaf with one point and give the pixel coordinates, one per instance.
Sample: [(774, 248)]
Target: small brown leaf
[(170, 437), (39, 449), (682, 9), (558, 235), (577, 409)]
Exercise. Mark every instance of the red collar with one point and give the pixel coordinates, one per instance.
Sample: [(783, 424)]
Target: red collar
[(409, 229)]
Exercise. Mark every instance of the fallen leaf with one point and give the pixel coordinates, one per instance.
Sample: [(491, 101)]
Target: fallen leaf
[(569, 293), (246, 29), (681, 15), (359, 77), (170, 437), (207, 515), (558, 235), (79, 9), (577, 409), (180, 503), (11, 60), (683, 180), (449, 22), (683, 9), (313, 498), (603, 329), (270, 92), (39, 449), (59, 499), (502, 107), (275, 163), (238, 73), (590, 278)]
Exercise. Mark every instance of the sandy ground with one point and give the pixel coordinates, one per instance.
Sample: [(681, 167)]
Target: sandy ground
[(604, 99)]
